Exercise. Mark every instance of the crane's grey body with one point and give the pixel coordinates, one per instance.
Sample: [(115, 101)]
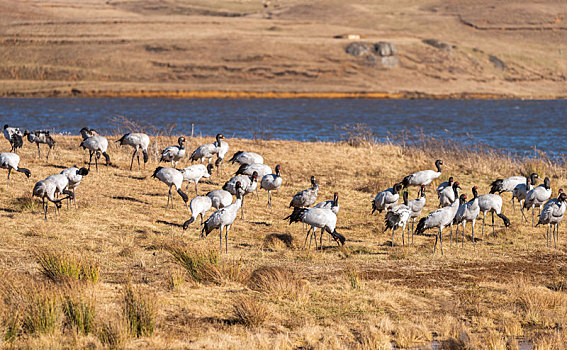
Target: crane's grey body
[(41, 136), (261, 169), (491, 203), (521, 190), (386, 199), (440, 218), (398, 217), (271, 182), (307, 197), (446, 197), (194, 173), (11, 162), (506, 185), (416, 207), (247, 185), (552, 214), (199, 205), (322, 218), (468, 212), (220, 198), (444, 185), (174, 154), (224, 218), (138, 141), (75, 176), (332, 205), (96, 145), (14, 136), (171, 177), (537, 197), (207, 151), (246, 158), (46, 189), (424, 177)]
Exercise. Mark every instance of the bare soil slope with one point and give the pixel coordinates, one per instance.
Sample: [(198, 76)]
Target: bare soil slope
[(513, 48)]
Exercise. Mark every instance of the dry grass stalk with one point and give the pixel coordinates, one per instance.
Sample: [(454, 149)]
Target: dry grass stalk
[(112, 334), (249, 312), (80, 313)]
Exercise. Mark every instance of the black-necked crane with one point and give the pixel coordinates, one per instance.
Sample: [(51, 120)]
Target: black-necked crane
[(468, 212), (521, 190), (171, 177), (246, 158), (271, 182), (445, 184), (199, 205), (506, 185), (446, 196), (332, 204), (41, 136), (552, 214), (220, 198), (224, 218), (140, 142), (537, 197), (208, 150), (440, 219), (307, 197), (61, 185), (423, 177), (96, 145), (317, 218), (11, 162), (416, 207), (75, 176), (247, 185), (14, 136), (174, 154), (492, 203), (398, 217), (386, 199), (222, 151), (194, 173), (46, 189)]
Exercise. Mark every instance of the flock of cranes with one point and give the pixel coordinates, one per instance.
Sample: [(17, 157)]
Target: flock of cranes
[(454, 209)]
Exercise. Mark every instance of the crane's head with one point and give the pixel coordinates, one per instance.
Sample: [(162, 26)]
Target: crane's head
[(83, 171), (6, 126), (254, 176), (181, 140), (220, 136), (451, 180)]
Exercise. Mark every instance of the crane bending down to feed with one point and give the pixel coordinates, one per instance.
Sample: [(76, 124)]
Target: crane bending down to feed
[(46, 189), (138, 141), (14, 136), (199, 205), (246, 158), (171, 177), (398, 217), (224, 218), (386, 199), (521, 190), (41, 136), (440, 218), (492, 203), (194, 173), (208, 150), (11, 162), (321, 218), (75, 176), (96, 145)]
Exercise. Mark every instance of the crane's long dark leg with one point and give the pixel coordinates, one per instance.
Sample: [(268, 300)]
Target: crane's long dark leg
[(493, 223), (305, 243), (441, 240), (9, 171), (242, 208), (523, 215), (48, 152), (44, 205), (96, 162), (220, 239), (533, 214), (436, 239), (457, 234), (483, 216), (138, 157), (554, 238), (38, 150), (226, 238), (451, 235), (196, 190), (168, 197), (321, 239), (75, 198), (132, 161), (547, 235), (464, 229), (513, 204)]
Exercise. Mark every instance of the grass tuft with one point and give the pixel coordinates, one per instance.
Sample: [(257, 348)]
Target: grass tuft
[(277, 281), (249, 312), (354, 278), (140, 312), (42, 314), (60, 267), (112, 335), (205, 266), (80, 313)]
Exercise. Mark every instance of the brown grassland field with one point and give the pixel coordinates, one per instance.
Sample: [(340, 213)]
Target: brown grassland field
[(110, 274)]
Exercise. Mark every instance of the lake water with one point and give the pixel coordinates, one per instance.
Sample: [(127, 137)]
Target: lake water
[(514, 126)]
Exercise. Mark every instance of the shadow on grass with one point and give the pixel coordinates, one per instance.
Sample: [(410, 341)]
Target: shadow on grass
[(132, 177), (169, 223), (129, 199)]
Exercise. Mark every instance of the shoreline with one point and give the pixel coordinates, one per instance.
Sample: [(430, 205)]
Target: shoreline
[(217, 94)]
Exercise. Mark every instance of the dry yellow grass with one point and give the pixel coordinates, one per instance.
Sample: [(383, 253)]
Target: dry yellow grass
[(507, 291)]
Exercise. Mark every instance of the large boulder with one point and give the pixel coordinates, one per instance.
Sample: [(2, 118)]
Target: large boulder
[(385, 49), (357, 49)]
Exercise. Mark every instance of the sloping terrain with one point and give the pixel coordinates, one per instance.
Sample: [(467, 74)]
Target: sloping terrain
[(512, 48)]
